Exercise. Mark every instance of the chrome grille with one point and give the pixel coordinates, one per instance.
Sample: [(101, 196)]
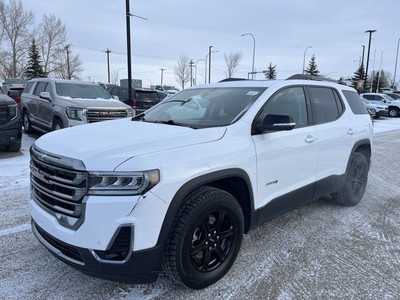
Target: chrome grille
[(98, 115), (56, 188)]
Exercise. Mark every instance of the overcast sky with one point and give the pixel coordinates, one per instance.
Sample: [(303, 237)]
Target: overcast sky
[(282, 29)]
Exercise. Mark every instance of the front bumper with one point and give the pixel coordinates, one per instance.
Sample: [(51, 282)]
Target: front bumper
[(140, 266), (382, 112), (10, 136)]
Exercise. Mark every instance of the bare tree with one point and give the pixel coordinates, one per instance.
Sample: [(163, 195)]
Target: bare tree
[(182, 70), (68, 66), (15, 23), (232, 62), (52, 38)]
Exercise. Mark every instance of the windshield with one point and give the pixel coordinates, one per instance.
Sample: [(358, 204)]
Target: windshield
[(169, 87), (388, 98), (81, 90), (201, 108), (15, 81)]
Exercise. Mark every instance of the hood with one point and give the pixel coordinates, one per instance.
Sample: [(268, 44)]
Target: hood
[(86, 103), (103, 146)]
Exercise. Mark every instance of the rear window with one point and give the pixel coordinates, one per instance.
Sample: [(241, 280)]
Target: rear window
[(325, 105), (144, 95), (355, 102)]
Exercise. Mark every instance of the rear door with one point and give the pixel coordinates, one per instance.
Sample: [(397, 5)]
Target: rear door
[(335, 131)]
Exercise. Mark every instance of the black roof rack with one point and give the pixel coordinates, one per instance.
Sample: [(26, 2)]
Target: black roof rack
[(232, 79), (310, 77)]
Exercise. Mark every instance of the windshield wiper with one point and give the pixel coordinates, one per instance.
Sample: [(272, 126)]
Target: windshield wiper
[(170, 122)]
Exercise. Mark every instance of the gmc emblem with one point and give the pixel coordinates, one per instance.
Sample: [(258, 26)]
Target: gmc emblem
[(108, 113)]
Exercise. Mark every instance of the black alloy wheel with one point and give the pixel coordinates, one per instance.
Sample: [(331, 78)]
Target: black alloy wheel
[(205, 238)]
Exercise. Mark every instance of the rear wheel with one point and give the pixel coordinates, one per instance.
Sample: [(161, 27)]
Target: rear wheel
[(356, 181), (205, 238)]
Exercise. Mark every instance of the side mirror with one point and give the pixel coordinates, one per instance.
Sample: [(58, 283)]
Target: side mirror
[(115, 97), (275, 123), (45, 96)]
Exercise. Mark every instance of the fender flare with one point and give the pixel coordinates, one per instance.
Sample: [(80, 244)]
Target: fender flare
[(195, 183)]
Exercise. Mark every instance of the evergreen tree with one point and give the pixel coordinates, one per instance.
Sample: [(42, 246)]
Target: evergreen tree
[(312, 67), (34, 68), (270, 73), (380, 80), (359, 77)]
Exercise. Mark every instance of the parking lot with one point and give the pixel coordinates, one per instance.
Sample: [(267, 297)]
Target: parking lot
[(320, 251)]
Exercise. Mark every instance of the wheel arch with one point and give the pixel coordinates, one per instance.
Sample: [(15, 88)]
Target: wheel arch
[(363, 147), (234, 181)]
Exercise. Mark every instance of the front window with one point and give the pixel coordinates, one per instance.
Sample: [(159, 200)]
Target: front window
[(201, 108), (80, 90)]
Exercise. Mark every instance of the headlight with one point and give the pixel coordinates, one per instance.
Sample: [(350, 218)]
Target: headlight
[(76, 113), (13, 111), (121, 183), (129, 113)]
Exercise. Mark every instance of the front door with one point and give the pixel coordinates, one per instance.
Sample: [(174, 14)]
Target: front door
[(286, 160)]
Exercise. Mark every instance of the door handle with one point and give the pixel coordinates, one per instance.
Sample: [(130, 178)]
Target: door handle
[(310, 139), (351, 131)]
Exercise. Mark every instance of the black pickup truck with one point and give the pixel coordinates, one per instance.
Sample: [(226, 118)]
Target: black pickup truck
[(141, 101), (10, 124)]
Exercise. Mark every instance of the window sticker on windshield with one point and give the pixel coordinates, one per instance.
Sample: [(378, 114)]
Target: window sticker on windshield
[(252, 93)]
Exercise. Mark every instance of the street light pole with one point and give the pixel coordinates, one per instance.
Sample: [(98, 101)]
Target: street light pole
[(128, 42), (195, 70), (205, 66), (116, 79), (108, 64), (304, 58), (362, 58), (369, 48), (254, 52), (128, 46), (162, 74), (209, 63), (395, 64)]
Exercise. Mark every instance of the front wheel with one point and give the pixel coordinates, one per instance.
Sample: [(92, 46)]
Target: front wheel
[(205, 238), (356, 181), (393, 112), (27, 122)]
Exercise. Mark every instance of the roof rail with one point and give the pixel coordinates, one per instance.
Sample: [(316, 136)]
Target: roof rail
[(232, 79), (310, 77)]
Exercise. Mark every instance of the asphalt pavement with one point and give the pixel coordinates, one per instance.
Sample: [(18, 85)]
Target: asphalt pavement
[(320, 251)]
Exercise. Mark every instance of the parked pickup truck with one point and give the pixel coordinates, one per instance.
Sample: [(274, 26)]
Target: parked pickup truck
[(52, 104)]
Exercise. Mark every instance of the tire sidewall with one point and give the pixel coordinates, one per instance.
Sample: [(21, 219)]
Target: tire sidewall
[(26, 122), (189, 275), (357, 160)]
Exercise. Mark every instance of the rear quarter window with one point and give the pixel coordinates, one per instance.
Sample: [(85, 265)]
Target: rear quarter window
[(355, 102)]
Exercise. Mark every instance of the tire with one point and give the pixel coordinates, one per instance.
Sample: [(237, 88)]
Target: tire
[(15, 147), (356, 181), (27, 122), (205, 238), (57, 125), (393, 112)]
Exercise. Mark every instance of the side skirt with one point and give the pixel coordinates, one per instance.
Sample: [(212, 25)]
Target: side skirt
[(299, 197)]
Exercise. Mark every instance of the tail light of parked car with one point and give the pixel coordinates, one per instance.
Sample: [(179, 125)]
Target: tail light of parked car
[(134, 102)]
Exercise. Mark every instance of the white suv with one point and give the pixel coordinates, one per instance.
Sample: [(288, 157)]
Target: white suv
[(178, 186)]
